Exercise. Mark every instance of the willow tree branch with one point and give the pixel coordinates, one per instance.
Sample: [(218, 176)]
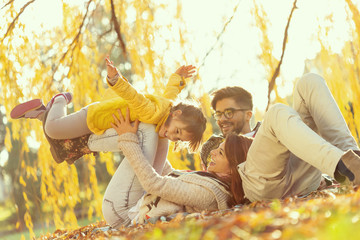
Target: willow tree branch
[(116, 23), (277, 70), (75, 41), (219, 35), (8, 3), (12, 24), (105, 33)]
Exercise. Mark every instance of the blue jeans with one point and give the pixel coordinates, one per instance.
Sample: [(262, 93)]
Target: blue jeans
[(124, 189)]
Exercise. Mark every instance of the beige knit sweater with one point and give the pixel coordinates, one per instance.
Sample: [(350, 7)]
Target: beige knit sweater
[(189, 192)]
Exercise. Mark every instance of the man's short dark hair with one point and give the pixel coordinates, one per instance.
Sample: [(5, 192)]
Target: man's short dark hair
[(239, 94)]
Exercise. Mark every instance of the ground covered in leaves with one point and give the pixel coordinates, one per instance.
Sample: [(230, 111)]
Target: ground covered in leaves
[(332, 213)]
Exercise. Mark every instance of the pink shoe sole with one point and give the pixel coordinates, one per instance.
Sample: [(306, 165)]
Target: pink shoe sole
[(26, 107)]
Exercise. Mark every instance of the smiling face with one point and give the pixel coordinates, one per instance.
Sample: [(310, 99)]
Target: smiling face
[(219, 162), (174, 129), (237, 122)]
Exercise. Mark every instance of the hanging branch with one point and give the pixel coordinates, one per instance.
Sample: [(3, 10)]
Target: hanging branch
[(117, 29), (277, 70), (8, 3), (105, 33), (75, 41), (12, 24), (219, 35)]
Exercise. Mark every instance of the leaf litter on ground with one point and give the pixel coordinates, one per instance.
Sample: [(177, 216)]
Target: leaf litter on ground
[(331, 213)]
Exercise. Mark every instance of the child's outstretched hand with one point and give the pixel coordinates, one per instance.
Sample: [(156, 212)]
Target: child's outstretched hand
[(122, 125), (110, 68), (186, 71)]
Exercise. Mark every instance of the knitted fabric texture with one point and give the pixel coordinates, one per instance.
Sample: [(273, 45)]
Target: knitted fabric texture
[(212, 143), (194, 192)]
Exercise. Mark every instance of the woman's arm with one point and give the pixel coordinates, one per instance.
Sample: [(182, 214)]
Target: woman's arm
[(168, 188), (167, 168)]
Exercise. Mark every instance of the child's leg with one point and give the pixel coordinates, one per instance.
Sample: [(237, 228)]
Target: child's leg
[(124, 189), (268, 173), (106, 142), (59, 125), (318, 109)]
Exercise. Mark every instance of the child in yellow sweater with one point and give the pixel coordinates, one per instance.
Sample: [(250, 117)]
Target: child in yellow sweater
[(183, 122)]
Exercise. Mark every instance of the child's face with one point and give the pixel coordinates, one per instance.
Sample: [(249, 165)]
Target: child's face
[(175, 131)]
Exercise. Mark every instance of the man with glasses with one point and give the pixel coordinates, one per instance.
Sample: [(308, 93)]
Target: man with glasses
[(232, 111)]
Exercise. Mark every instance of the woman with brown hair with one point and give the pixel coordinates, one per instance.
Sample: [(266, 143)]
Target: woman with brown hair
[(178, 191), (230, 153)]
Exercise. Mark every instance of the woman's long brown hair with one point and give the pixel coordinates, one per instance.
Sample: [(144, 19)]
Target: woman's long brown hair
[(236, 149)]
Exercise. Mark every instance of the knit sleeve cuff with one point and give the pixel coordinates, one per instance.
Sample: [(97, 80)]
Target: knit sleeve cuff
[(112, 81), (129, 143), (128, 137)]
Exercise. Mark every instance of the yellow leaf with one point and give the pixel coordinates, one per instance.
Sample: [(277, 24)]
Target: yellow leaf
[(8, 144), (22, 182), (90, 212), (25, 197)]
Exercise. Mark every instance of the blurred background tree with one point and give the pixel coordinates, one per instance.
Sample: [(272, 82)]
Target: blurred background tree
[(53, 46)]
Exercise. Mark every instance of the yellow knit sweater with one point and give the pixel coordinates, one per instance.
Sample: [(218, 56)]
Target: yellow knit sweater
[(147, 108)]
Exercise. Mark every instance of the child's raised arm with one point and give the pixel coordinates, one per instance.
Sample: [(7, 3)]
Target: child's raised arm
[(177, 81), (112, 71)]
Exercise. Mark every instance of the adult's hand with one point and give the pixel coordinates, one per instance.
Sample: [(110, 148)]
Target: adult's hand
[(122, 125)]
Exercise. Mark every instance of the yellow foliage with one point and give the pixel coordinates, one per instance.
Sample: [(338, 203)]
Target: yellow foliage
[(39, 66), (7, 141), (22, 182), (341, 72), (29, 224), (266, 57), (108, 159)]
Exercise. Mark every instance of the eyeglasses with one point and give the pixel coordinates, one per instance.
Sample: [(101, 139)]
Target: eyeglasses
[(228, 113)]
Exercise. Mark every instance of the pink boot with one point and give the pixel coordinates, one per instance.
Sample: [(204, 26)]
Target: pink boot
[(29, 109)]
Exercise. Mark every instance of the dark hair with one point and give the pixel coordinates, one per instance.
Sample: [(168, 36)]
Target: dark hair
[(239, 94), (195, 122), (236, 149)]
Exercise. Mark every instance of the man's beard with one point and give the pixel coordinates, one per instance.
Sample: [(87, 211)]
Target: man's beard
[(236, 128)]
